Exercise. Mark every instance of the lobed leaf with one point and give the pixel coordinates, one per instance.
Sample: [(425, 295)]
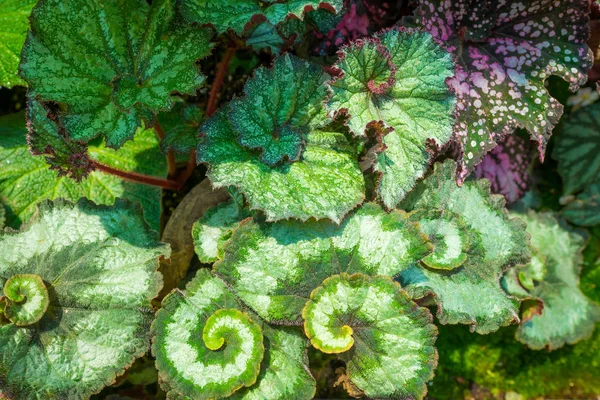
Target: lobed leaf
[(110, 65), (386, 339), (99, 266), (237, 14), (273, 267), (505, 51), (552, 278), (14, 16), (469, 294), (397, 79), (26, 180)]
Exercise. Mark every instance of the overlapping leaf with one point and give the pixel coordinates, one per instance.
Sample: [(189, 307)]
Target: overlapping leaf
[(237, 14), (14, 16), (26, 180), (273, 267), (552, 277), (181, 128), (206, 346), (326, 182), (470, 293), (397, 79), (99, 266), (505, 52), (110, 65)]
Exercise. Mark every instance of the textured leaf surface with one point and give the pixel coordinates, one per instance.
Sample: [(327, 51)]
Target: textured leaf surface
[(281, 106), (506, 167), (577, 149), (194, 367), (181, 128), (585, 209), (387, 340), (274, 267), (212, 230), (26, 299), (236, 14), (397, 79), (26, 180), (326, 183), (568, 315), (469, 294), (506, 51), (14, 16), (99, 265), (110, 64)]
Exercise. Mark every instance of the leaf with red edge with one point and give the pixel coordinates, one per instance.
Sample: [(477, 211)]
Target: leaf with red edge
[(505, 52)]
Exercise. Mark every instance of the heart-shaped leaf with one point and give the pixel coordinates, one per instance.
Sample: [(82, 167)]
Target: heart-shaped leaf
[(96, 268), (505, 52), (397, 79), (14, 16), (273, 267), (385, 338)]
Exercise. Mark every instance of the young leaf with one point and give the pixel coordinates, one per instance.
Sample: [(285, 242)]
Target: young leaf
[(567, 315), (325, 183), (192, 366), (505, 52), (236, 14), (97, 267), (397, 79), (26, 180), (212, 230), (469, 294), (14, 16), (585, 209), (577, 148), (110, 65), (386, 340), (273, 267), (506, 167), (181, 126)]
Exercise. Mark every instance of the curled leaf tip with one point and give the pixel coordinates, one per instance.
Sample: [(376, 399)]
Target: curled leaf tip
[(25, 299)]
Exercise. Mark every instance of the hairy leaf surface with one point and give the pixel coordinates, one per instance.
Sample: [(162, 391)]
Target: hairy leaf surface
[(385, 338), (553, 278), (110, 65), (273, 267), (469, 294), (26, 180), (397, 79), (505, 52), (14, 21), (197, 360), (236, 14), (99, 266)]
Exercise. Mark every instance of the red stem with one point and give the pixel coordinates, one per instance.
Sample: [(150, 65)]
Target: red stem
[(171, 162), (138, 178), (213, 97)]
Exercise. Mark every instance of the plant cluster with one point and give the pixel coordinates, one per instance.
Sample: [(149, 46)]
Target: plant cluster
[(357, 202)]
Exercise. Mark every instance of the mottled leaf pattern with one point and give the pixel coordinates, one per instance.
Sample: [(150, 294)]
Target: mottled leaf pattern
[(505, 52), (385, 338), (273, 267), (236, 14), (181, 126), (552, 277), (110, 64), (469, 294), (14, 21), (397, 79), (99, 266)]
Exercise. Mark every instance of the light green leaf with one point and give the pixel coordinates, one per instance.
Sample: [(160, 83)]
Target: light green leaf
[(386, 339), (274, 267), (567, 315), (577, 148), (585, 209), (326, 183), (25, 299), (14, 21), (397, 79), (99, 266), (469, 294), (277, 124), (109, 64), (236, 14), (26, 180), (212, 230)]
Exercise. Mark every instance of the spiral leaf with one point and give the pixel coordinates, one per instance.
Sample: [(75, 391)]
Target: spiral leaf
[(387, 340), (26, 299)]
